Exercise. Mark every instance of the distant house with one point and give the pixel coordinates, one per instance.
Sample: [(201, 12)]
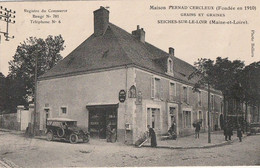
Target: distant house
[(118, 78)]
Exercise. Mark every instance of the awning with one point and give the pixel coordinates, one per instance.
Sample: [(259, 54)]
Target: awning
[(102, 106)]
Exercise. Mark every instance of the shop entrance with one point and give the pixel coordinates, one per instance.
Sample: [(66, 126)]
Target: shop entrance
[(100, 116)]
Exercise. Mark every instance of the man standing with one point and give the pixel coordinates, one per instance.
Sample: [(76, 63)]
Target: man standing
[(197, 130), (226, 131), (229, 131), (239, 133), (153, 136)]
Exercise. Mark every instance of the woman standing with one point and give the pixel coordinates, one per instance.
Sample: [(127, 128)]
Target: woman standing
[(153, 136)]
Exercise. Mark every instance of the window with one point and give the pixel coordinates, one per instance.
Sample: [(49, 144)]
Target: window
[(156, 88), (212, 102), (200, 115), (170, 66), (185, 94), (187, 119), (63, 110), (199, 98), (172, 115), (195, 116), (172, 91)]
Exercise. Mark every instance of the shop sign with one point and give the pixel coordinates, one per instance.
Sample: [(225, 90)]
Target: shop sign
[(122, 96)]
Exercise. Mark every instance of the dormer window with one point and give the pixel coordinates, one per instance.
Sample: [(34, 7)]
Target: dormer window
[(170, 66)]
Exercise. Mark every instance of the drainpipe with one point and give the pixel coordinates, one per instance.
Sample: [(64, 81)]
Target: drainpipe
[(126, 97)]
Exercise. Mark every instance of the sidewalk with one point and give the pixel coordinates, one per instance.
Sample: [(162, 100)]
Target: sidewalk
[(189, 142)]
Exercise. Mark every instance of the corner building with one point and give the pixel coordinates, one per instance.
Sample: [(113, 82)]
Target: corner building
[(87, 84)]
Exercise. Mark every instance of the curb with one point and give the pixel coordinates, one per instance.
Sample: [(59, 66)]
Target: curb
[(197, 147)]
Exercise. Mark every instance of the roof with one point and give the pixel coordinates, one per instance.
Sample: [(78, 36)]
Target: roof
[(117, 48), (60, 119)]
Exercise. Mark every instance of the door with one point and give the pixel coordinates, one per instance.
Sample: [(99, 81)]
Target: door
[(153, 118)]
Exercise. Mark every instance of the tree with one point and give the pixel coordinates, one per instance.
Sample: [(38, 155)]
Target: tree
[(22, 67), (3, 93), (205, 73), (250, 82), (222, 75)]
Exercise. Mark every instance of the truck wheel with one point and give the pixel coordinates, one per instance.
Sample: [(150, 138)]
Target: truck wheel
[(73, 138), (49, 136)]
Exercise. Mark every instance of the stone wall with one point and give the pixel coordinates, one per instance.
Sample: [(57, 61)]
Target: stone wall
[(9, 121)]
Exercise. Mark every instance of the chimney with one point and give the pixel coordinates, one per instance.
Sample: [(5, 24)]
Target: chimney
[(101, 20), (171, 51), (139, 34)]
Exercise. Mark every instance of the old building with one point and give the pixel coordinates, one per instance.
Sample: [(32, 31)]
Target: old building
[(118, 78)]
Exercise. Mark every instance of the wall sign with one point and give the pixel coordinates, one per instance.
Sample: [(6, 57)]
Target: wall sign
[(122, 96)]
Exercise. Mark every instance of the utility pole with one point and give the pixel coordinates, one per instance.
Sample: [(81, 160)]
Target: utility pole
[(209, 138), (35, 93), (7, 15)]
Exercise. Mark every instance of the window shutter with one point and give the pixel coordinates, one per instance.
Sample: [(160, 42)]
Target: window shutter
[(188, 98), (161, 90), (152, 87), (182, 93)]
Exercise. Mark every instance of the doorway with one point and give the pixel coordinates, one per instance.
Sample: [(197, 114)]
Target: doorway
[(100, 117), (153, 118)]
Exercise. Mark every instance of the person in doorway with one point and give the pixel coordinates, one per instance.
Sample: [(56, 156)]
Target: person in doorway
[(153, 136), (113, 135), (239, 133), (197, 130), (108, 133)]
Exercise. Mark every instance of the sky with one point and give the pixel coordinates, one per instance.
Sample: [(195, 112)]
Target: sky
[(190, 41)]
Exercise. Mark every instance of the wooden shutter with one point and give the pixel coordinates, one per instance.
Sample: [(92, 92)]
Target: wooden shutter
[(152, 87)]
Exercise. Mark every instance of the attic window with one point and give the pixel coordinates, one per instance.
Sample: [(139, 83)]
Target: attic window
[(170, 66)]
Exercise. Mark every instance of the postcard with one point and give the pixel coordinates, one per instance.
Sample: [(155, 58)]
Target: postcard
[(111, 83)]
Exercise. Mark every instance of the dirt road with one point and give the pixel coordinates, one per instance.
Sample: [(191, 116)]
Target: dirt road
[(27, 152)]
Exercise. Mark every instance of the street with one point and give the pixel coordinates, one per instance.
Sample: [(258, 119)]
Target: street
[(27, 152)]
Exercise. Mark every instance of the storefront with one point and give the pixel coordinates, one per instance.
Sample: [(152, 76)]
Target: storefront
[(100, 116)]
